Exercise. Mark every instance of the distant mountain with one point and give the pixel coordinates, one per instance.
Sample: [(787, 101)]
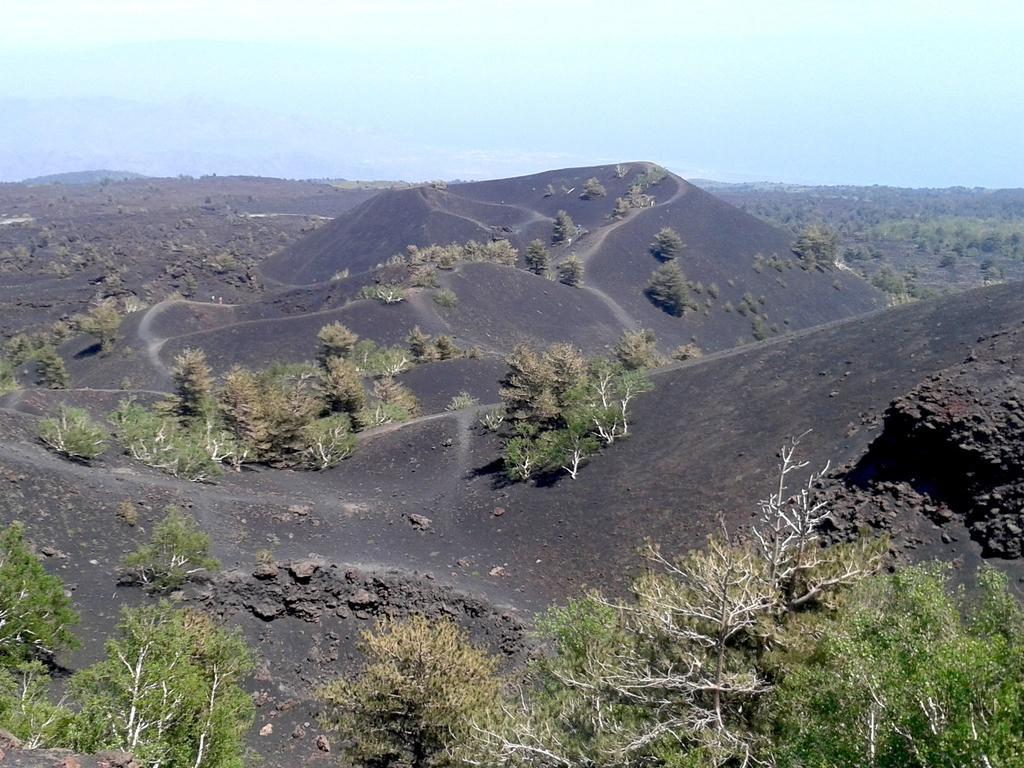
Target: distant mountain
[(83, 178)]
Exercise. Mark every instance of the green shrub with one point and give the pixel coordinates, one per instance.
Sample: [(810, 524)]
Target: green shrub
[(160, 442), (51, 370), (461, 402), (328, 441), (593, 189), (177, 551), (385, 293), (72, 433), (421, 686), (446, 299)]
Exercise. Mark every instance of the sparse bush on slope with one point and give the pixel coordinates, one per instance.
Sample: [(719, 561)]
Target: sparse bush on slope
[(73, 433), (177, 551)]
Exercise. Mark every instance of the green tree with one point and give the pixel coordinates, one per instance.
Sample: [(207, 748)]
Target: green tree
[(193, 386), (343, 386), (52, 372), (169, 691), (26, 710), (817, 245), (241, 405), (910, 672), (570, 271), (667, 244), (73, 433), (621, 208), (667, 289), (35, 615), (593, 189), (176, 552), (421, 685), (564, 228), (637, 349), (102, 321), (537, 258), (334, 340)]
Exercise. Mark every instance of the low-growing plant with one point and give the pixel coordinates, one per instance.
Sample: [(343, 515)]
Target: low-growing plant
[(461, 402), (328, 441), (385, 293), (446, 299), (72, 433), (492, 420)]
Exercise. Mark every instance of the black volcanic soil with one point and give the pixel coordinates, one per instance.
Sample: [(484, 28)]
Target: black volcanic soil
[(421, 518), (58, 243)]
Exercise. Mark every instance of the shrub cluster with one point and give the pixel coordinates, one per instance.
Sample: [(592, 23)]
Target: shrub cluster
[(560, 409)]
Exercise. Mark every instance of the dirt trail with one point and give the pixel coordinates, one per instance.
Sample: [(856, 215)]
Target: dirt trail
[(598, 239), (153, 342)]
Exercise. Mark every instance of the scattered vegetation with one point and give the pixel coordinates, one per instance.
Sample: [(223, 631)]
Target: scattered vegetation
[(763, 647)]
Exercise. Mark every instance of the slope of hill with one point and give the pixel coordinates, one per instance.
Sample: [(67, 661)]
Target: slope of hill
[(703, 445), (79, 178)]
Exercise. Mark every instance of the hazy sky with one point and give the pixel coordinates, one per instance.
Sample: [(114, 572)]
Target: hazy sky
[(908, 93)]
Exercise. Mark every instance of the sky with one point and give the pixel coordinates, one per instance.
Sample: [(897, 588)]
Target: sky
[(827, 92)]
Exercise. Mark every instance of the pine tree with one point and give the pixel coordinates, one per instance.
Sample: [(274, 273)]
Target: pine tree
[(51, 370), (593, 189), (241, 406), (390, 392), (334, 340), (667, 244), (667, 289), (193, 385), (103, 322), (621, 208), (637, 349), (564, 229), (446, 349), (537, 258), (420, 345), (570, 271), (343, 386)]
